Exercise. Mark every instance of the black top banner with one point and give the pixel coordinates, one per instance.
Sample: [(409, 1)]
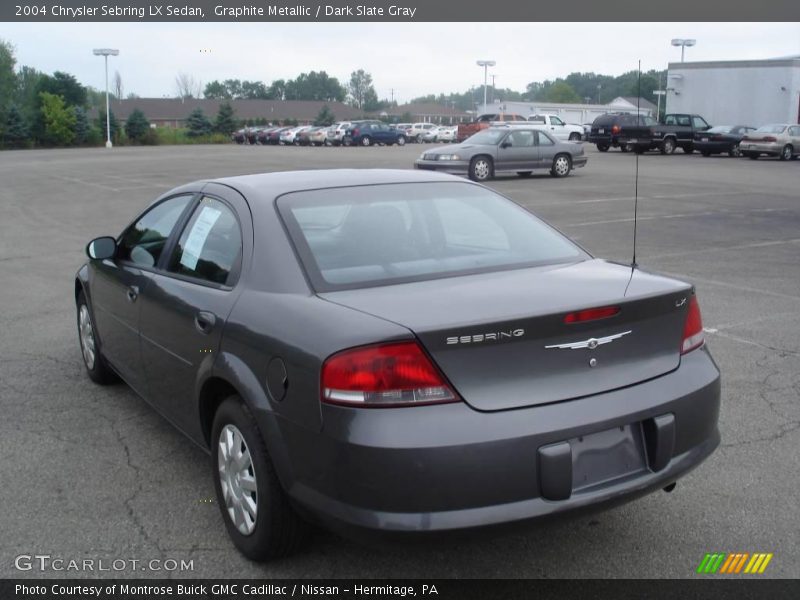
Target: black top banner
[(608, 11)]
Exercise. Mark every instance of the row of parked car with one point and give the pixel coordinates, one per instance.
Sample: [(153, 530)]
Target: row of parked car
[(346, 133), (690, 133)]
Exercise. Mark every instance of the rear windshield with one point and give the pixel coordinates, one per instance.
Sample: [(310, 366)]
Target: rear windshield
[(771, 129), (380, 234)]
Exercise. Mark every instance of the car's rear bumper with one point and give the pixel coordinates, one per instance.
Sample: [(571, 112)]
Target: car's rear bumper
[(762, 148), (434, 469)]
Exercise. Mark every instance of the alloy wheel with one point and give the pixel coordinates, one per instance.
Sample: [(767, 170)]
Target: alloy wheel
[(88, 348), (237, 479), (561, 166)]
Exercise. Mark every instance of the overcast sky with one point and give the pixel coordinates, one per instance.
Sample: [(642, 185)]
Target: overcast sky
[(413, 58)]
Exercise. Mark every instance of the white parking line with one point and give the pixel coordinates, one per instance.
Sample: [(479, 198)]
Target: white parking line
[(653, 218), (722, 248)]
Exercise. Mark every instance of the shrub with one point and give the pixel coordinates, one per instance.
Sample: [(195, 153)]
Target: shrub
[(137, 126)]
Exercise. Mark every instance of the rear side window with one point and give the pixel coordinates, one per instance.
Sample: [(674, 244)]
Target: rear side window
[(210, 247), (143, 242), (381, 234)]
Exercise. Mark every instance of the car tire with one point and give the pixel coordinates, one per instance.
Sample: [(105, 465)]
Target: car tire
[(401, 140), (481, 168), (706, 153), (752, 155), (96, 366), (688, 149), (366, 141), (624, 147), (735, 152), (574, 137), (786, 152), (418, 139), (602, 147), (562, 165), (668, 146), (276, 530), (524, 173)]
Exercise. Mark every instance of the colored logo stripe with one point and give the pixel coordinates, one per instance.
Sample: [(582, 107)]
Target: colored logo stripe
[(723, 562)]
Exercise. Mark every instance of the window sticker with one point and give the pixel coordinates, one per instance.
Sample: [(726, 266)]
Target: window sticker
[(197, 236)]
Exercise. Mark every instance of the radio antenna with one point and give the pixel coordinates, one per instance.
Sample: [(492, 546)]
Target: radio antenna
[(636, 180)]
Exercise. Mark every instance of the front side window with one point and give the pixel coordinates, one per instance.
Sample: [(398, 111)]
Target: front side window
[(699, 123), (381, 234), (143, 242), (522, 139), (556, 121), (210, 247)]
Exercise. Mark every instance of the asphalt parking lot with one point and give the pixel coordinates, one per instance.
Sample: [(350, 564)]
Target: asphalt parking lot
[(91, 472)]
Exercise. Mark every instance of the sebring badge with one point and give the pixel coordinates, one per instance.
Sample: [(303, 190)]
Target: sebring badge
[(591, 343)]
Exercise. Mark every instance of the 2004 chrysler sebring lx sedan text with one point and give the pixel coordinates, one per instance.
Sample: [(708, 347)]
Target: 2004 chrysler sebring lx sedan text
[(396, 352)]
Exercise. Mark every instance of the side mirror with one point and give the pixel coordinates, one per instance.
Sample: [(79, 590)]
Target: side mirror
[(101, 248), (506, 144)]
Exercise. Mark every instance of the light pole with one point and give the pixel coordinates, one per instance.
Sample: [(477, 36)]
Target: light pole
[(493, 87), (485, 64), (683, 43), (105, 53)]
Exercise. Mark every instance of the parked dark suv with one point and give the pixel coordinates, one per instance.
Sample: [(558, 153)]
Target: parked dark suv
[(367, 133), (606, 130)]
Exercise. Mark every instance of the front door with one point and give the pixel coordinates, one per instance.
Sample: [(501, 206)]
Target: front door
[(518, 152), (118, 284)]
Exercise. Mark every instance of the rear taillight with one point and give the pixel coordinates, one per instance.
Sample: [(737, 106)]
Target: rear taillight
[(693, 328), (769, 138), (385, 375), (355, 132), (616, 129), (591, 314)]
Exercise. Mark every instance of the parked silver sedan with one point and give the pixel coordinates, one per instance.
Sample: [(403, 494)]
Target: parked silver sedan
[(781, 140), (505, 149)]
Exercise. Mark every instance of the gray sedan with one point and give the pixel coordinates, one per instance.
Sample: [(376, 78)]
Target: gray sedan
[(390, 353), (512, 149)]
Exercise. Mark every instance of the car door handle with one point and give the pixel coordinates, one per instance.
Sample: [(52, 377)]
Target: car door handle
[(132, 293), (204, 321)]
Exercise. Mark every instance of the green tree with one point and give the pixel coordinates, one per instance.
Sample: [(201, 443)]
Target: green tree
[(137, 125), (277, 90), (360, 88), (59, 120), (15, 130), (101, 124), (325, 117), (562, 92), (314, 86), (216, 90), (82, 127), (253, 90), (198, 123), (8, 80), (224, 121)]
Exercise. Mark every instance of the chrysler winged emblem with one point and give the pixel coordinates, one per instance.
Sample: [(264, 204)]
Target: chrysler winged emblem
[(591, 343)]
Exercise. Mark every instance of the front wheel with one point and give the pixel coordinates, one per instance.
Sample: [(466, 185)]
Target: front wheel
[(735, 152), (256, 511), (96, 366), (786, 152), (668, 146), (562, 165), (401, 141), (574, 137), (480, 169), (602, 147)]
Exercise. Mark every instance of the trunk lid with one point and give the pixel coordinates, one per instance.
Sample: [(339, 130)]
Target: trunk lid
[(501, 340)]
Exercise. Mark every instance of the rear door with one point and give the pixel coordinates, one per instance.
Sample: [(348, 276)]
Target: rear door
[(189, 299), (546, 150)]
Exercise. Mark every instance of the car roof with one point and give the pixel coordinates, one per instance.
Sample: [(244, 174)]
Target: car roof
[(261, 187)]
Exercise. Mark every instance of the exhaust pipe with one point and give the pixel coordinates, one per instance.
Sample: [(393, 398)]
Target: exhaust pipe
[(670, 487)]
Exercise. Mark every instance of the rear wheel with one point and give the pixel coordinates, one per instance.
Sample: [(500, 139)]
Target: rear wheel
[(480, 168), (786, 152), (562, 165), (602, 147), (256, 511), (574, 137), (668, 146), (96, 366)]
